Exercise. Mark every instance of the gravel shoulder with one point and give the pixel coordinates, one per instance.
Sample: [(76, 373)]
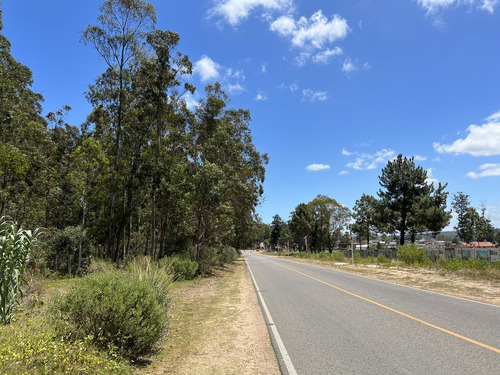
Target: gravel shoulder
[(217, 327)]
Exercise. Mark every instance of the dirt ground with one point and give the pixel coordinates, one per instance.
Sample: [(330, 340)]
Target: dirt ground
[(462, 285), (217, 327)]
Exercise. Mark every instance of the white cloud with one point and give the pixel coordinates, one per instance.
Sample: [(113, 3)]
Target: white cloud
[(435, 6), (207, 69), (317, 31), (191, 100), (343, 173), (235, 88), (495, 117), (314, 96), (431, 180), (486, 170), (482, 140), (235, 11), (372, 161), (349, 66), (347, 153), (420, 158), (325, 56), (317, 167), (261, 97), (263, 68)]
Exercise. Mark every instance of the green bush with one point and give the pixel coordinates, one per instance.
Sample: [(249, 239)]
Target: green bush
[(62, 255), (115, 310), (158, 275), (382, 259), (182, 267), (35, 348), (227, 254), (357, 258), (411, 254), (470, 264), (338, 256)]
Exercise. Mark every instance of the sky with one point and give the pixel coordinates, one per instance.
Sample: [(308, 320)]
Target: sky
[(336, 89)]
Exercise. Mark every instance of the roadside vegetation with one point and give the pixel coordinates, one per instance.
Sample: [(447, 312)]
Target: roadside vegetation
[(408, 256)]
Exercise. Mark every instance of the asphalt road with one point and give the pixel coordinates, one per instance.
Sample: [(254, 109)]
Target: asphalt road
[(332, 322)]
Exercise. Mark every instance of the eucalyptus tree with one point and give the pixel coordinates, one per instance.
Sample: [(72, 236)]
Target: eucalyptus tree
[(160, 76), (119, 41), (23, 137)]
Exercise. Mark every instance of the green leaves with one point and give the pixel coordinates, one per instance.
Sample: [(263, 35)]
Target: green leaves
[(15, 246)]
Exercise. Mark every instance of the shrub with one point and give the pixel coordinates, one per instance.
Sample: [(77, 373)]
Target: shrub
[(158, 275), (114, 310), (35, 348), (357, 258), (182, 267), (62, 256), (411, 254), (15, 246), (338, 256), (227, 254), (382, 259)]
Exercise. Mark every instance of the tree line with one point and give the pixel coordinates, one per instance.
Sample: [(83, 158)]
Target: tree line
[(144, 173), (406, 205)]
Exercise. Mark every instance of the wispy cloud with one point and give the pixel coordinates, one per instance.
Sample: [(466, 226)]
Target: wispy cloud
[(347, 153), (349, 66), (435, 6), (208, 70), (325, 56), (371, 161), (420, 158), (314, 96), (317, 167), (343, 173), (235, 11), (261, 97), (431, 180), (486, 170), (483, 140)]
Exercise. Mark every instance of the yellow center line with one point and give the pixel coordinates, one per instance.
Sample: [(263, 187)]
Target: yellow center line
[(397, 311)]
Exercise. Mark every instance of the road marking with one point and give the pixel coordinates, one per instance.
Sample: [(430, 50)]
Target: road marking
[(270, 323), (396, 311), (382, 281)]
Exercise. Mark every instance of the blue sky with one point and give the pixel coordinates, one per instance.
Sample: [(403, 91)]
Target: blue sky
[(335, 88)]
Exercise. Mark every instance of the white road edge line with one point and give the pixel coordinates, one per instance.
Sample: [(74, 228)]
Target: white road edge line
[(284, 354)]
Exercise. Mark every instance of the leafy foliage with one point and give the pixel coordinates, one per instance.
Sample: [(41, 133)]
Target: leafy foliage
[(411, 254), (35, 348), (15, 246), (115, 310), (182, 267)]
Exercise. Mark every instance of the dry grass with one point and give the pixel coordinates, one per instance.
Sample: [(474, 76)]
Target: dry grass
[(216, 328)]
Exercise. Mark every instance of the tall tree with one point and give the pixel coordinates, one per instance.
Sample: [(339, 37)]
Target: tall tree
[(119, 40), (365, 216), (302, 225), (408, 203), (277, 227)]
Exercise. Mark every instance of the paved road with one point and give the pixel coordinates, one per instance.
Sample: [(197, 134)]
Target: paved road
[(331, 322)]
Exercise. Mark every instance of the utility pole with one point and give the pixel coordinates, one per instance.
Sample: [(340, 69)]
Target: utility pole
[(305, 238), (352, 246)]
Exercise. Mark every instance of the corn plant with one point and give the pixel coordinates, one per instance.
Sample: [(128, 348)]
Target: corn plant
[(15, 245)]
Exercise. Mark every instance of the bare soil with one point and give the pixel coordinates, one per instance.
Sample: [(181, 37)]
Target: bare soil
[(470, 285), (217, 327)]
